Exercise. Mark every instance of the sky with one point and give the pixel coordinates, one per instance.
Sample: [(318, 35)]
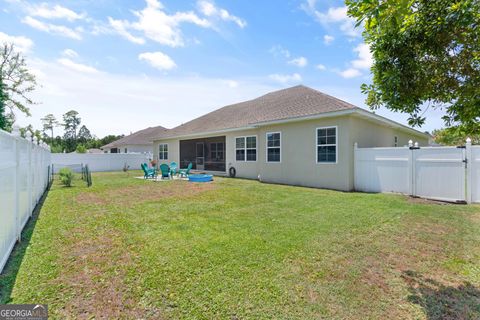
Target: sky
[(128, 65)]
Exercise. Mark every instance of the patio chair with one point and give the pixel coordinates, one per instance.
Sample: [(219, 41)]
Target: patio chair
[(148, 173), (165, 170), (185, 172), (173, 168)]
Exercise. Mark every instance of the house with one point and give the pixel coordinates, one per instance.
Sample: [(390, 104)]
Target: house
[(138, 142), (297, 136)]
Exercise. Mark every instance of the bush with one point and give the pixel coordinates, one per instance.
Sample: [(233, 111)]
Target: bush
[(66, 176), (81, 149)]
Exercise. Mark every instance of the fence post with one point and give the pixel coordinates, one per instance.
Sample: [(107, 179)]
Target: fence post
[(411, 165), (468, 165), (28, 136), (16, 136), (355, 167)]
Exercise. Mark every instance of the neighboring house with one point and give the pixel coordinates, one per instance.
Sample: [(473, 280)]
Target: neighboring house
[(296, 136), (138, 142)]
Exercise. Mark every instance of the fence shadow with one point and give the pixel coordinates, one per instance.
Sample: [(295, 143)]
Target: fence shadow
[(10, 271), (443, 302)]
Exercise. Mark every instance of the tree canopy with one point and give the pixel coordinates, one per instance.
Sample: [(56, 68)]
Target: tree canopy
[(426, 55), (49, 122), (16, 83)]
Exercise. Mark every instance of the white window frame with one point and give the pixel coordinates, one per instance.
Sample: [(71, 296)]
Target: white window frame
[(326, 145), (245, 148), (163, 144), (267, 147), (216, 151)]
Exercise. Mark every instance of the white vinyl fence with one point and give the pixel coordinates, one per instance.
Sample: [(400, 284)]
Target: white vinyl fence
[(24, 177), (441, 173), (99, 161)]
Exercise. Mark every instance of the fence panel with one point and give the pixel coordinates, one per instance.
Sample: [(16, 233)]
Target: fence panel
[(24, 168), (8, 227), (432, 172), (440, 173), (99, 162), (474, 163), (383, 170)]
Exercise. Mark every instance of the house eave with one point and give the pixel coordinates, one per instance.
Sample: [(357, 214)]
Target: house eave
[(354, 111)]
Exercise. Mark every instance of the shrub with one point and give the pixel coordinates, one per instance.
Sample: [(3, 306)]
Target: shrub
[(66, 176), (81, 149)]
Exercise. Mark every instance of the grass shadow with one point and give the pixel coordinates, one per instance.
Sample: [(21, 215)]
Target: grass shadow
[(440, 301), (10, 271)]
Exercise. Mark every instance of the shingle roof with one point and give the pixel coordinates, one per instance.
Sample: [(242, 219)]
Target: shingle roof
[(294, 102), (144, 137)]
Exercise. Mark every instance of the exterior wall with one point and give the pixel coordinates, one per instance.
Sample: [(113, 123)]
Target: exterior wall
[(133, 148), (173, 151), (298, 164), (370, 134)]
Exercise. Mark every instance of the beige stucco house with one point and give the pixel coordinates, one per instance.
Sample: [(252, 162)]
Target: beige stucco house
[(296, 136), (137, 142)]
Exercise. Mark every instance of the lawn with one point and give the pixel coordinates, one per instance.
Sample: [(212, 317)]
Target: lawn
[(240, 249)]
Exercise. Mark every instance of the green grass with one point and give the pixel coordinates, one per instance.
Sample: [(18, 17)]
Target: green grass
[(239, 249)]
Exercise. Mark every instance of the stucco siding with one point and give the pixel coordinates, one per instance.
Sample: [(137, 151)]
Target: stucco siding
[(298, 164)]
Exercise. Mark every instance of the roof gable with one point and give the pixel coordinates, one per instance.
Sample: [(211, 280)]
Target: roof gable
[(294, 102), (142, 137)]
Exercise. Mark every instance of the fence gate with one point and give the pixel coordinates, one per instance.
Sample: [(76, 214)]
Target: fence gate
[(439, 173)]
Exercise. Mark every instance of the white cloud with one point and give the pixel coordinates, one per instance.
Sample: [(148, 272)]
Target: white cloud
[(232, 83), (53, 28), (299, 62), (365, 58), (158, 60), (334, 15), (327, 39), (69, 53), (363, 62), (279, 51), (209, 9), (321, 67), (350, 73), (121, 28), (44, 10), (286, 78), (21, 43), (124, 100), (77, 66), (157, 25)]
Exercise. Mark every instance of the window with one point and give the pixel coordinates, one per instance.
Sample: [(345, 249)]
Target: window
[(240, 149), (163, 151), (396, 141), (251, 148), (273, 147), (216, 150), (246, 148), (125, 150), (327, 145)]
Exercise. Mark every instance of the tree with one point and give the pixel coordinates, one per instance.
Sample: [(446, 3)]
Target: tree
[(16, 82), (33, 132), (81, 149), (454, 136), (49, 122), (84, 135), (426, 55), (71, 121)]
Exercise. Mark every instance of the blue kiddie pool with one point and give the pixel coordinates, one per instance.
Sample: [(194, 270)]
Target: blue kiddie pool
[(200, 177)]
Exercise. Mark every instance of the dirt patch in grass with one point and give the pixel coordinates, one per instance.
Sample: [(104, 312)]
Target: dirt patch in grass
[(91, 198), (95, 276), (135, 194), (417, 200)]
